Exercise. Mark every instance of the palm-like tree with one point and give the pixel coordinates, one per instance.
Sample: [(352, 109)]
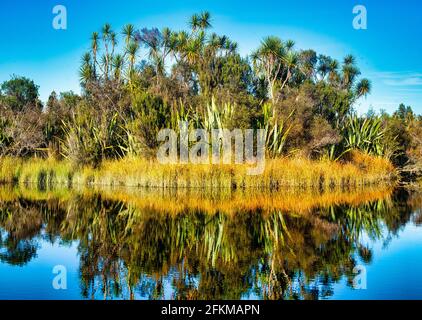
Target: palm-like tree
[(290, 62), (231, 46), (214, 41), (94, 49), (200, 21), (349, 60), (200, 52), (333, 75), (363, 88), (132, 51), (167, 45), (128, 33), (179, 40), (350, 73), (192, 51), (194, 22), (118, 64), (106, 32), (270, 59), (205, 20), (290, 45), (106, 35), (160, 45), (86, 71), (323, 66), (113, 41)]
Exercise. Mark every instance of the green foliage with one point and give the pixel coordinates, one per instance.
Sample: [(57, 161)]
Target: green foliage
[(217, 118), (404, 113), (275, 61), (150, 114), (303, 99), (364, 134), (333, 104), (19, 92), (90, 140), (277, 130)]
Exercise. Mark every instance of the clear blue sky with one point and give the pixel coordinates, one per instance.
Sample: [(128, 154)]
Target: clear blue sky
[(388, 52)]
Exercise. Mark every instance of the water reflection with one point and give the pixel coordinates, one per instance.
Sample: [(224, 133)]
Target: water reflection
[(147, 244)]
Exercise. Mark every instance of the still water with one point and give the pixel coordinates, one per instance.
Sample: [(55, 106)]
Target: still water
[(150, 244)]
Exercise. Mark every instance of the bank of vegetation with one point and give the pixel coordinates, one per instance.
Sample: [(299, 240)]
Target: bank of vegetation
[(360, 171), (138, 81)]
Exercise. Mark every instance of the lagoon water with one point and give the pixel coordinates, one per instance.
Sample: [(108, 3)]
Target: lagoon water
[(149, 244)]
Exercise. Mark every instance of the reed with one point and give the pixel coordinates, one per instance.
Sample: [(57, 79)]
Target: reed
[(362, 170), (177, 202), (43, 172), (224, 201)]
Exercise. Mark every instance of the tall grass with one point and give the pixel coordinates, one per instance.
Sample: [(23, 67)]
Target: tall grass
[(361, 170), (45, 173)]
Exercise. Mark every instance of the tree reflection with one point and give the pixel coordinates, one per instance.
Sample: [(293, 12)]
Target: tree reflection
[(131, 252), (20, 228)]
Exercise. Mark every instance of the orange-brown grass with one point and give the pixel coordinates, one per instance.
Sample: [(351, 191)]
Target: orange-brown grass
[(299, 172), (183, 201), (291, 200), (361, 170)]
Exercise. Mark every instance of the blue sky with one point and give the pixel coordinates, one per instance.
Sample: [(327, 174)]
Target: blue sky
[(388, 52)]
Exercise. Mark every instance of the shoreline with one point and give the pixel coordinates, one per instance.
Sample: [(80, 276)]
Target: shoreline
[(362, 170)]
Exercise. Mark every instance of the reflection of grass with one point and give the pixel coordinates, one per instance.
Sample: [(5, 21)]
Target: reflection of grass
[(133, 172), (213, 202), (291, 199), (9, 193)]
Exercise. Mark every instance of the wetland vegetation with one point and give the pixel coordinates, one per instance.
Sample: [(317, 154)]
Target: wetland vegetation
[(140, 80), (80, 185)]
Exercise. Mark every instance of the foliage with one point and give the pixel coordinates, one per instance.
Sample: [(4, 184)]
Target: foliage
[(277, 131), (303, 99), (18, 93), (364, 134)]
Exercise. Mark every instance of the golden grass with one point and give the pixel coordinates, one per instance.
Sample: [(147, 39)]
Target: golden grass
[(182, 201), (44, 172), (362, 170), (290, 200)]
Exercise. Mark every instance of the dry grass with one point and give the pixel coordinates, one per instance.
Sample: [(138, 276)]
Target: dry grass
[(362, 170), (290, 200), (231, 202)]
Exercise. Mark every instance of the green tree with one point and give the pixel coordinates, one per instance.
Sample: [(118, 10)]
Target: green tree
[(404, 113), (20, 92), (275, 61), (52, 101)]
